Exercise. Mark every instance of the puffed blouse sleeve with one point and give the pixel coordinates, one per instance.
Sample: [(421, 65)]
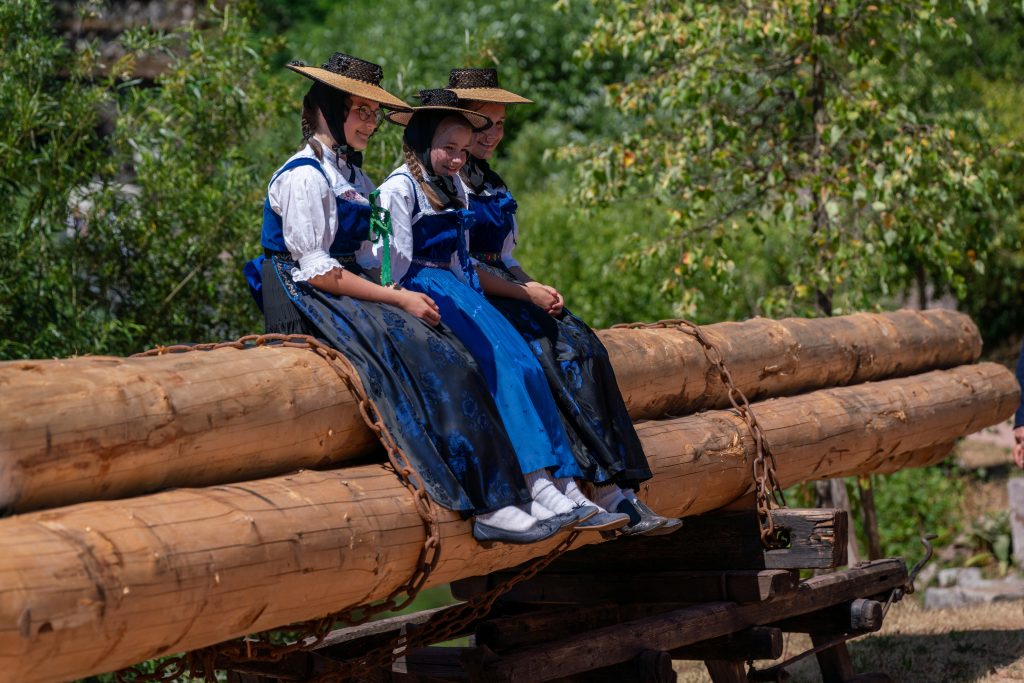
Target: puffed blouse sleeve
[(309, 219), (398, 197)]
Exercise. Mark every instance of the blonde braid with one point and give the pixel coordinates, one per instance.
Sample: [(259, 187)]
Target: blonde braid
[(417, 173)]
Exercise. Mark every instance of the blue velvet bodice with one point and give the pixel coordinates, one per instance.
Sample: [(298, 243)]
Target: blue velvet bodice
[(353, 220), (493, 220)]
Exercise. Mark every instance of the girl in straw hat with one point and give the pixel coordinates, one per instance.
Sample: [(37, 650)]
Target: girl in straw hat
[(427, 388), (574, 360), (427, 202)]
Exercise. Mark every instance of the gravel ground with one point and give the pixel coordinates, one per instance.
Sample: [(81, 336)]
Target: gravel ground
[(983, 644)]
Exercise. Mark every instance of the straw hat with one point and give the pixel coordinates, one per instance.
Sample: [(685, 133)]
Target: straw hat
[(481, 85), (352, 75), (440, 99)]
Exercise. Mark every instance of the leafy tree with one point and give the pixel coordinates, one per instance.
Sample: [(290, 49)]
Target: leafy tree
[(793, 153), (124, 240)]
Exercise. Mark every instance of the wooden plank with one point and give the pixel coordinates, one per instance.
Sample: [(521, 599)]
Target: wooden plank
[(718, 540), (690, 625), (650, 666), (726, 671), (817, 539), (674, 587), (97, 586), (834, 662), (757, 642), (101, 427)]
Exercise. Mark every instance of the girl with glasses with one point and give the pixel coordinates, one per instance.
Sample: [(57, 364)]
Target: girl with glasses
[(425, 384)]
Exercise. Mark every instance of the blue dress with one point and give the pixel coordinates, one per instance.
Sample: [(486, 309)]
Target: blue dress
[(574, 360), (428, 249), (426, 385)]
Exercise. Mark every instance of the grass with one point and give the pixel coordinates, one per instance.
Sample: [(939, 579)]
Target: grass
[(978, 644)]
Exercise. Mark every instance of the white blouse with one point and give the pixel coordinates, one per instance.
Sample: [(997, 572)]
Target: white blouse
[(399, 194), (309, 211)]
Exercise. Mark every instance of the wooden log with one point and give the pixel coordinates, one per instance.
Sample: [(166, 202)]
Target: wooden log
[(100, 428), (96, 586)]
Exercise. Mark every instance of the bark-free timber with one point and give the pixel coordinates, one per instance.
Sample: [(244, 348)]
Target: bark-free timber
[(100, 585), (88, 428)]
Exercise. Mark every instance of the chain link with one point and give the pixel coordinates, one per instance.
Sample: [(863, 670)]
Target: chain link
[(441, 626), (767, 491), (204, 662)]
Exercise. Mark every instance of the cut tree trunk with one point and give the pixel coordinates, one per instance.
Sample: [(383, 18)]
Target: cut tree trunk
[(100, 585), (98, 428)]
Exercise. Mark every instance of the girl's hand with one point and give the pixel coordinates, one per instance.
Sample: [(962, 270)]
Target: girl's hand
[(540, 296), (555, 308), (419, 305)]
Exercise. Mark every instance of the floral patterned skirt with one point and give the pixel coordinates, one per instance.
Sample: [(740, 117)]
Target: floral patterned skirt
[(581, 378), (427, 387)]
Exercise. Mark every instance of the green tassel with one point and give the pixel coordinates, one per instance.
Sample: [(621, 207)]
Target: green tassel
[(380, 229)]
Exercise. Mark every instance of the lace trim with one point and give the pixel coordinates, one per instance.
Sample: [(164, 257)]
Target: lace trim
[(313, 265)]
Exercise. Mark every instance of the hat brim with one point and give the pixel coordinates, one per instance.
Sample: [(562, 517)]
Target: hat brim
[(352, 86), (477, 121), (492, 95)]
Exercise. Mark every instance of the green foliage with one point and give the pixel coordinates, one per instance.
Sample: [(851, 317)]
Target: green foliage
[(137, 237), (915, 502), (806, 125)]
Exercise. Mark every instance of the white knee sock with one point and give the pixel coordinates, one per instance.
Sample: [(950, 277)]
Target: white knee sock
[(510, 518), (535, 509), (543, 490), (609, 496), (571, 490)]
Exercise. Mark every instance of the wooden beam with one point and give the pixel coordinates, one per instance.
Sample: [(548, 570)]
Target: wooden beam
[(723, 540), (858, 616), (100, 428), (688, 625), (757, 642), (817, 539), (97, 586), (647, 587)]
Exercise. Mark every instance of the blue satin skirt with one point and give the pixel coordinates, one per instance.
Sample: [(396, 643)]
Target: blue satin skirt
[(514, 377)]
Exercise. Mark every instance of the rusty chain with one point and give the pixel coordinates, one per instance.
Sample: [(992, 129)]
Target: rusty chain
[(441, 626), (767, 491), (203, 663)]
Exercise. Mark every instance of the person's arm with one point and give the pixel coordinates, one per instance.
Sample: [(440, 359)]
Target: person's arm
[(307, 207), (498, 286), (341, 282), (510, 262)]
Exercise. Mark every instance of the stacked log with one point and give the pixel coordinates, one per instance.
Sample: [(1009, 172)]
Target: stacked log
[(119, 427), (99, 585)]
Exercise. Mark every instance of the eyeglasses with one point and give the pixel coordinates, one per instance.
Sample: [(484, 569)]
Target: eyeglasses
[(365, 114)]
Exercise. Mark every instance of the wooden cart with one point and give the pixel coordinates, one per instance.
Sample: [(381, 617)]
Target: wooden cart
[(624, 610)]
